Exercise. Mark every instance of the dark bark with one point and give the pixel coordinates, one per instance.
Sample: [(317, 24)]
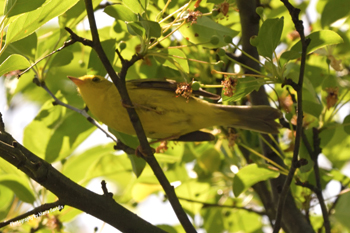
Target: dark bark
[(292, 218)]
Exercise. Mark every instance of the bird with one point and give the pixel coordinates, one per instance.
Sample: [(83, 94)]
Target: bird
[(166, 115)]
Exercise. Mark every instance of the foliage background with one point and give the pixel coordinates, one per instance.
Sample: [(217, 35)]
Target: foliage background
[(206, 172)]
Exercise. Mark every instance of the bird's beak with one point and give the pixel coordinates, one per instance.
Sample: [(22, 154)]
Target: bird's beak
[(77, 81)]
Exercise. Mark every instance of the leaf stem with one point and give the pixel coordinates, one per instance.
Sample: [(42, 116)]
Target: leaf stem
[(172, 32), (282, 170), (178, 10), (243, 65), (240, 75)]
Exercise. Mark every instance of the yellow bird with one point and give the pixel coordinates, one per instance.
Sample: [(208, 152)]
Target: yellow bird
[(164, 115)]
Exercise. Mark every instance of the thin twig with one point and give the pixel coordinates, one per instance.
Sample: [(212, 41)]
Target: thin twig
[(334, 204), (105, 190), (119, 145), (65, 45), (206, 205), (80, 111), (37, 212), (314, 153), (294, 12)]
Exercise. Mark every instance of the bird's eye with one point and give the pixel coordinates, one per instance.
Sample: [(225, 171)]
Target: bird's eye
[(95, 79)]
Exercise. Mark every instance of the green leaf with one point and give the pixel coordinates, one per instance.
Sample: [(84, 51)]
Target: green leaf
[(202, 31), (136, 29), (214, 220), (218, 219), (342, 213), (75, 14), (138, 164), (330, 81), (27, 23), (25, 47), (216, 2), (174, 58), (209, 160), (244, 87), (101, 161), (319, 40), (62, 58), (173, 154), (327, 133), (144, 28), (120, 12), (19, 186), (79, 167), (141, 191), (304, 154), (13, 62), (292, 72), (137, 6), (311, 102), (336, 150), (269, 36), (250, 175), (95, 65), (114, 167), (6, 200), (312, 108), (334, 10), (16, 7), (167, 228), (346, 124), (152, 28), (192, 189), (339, 176), (56, 132)]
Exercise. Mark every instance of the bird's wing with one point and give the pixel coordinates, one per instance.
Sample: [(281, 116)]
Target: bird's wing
[(169, 85)]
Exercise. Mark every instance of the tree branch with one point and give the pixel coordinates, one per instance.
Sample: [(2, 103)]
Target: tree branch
[(37, 212), (294, 12), (119, 82), (314, 156), (68, 192), (65, 45), (293, 220), (207, 205)]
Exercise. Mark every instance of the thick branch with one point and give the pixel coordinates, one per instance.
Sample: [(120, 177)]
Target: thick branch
[(70, 193)]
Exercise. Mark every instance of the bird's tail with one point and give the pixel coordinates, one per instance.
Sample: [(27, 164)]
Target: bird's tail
[(256, 118)]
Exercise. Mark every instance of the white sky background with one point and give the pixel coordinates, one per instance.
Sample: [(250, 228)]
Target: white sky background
[(153, 209)]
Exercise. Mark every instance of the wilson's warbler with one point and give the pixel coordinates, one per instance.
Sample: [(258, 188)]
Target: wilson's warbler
[(164, 115)]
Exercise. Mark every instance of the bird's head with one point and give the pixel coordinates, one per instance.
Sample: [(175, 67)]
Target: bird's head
[(91, 84)]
